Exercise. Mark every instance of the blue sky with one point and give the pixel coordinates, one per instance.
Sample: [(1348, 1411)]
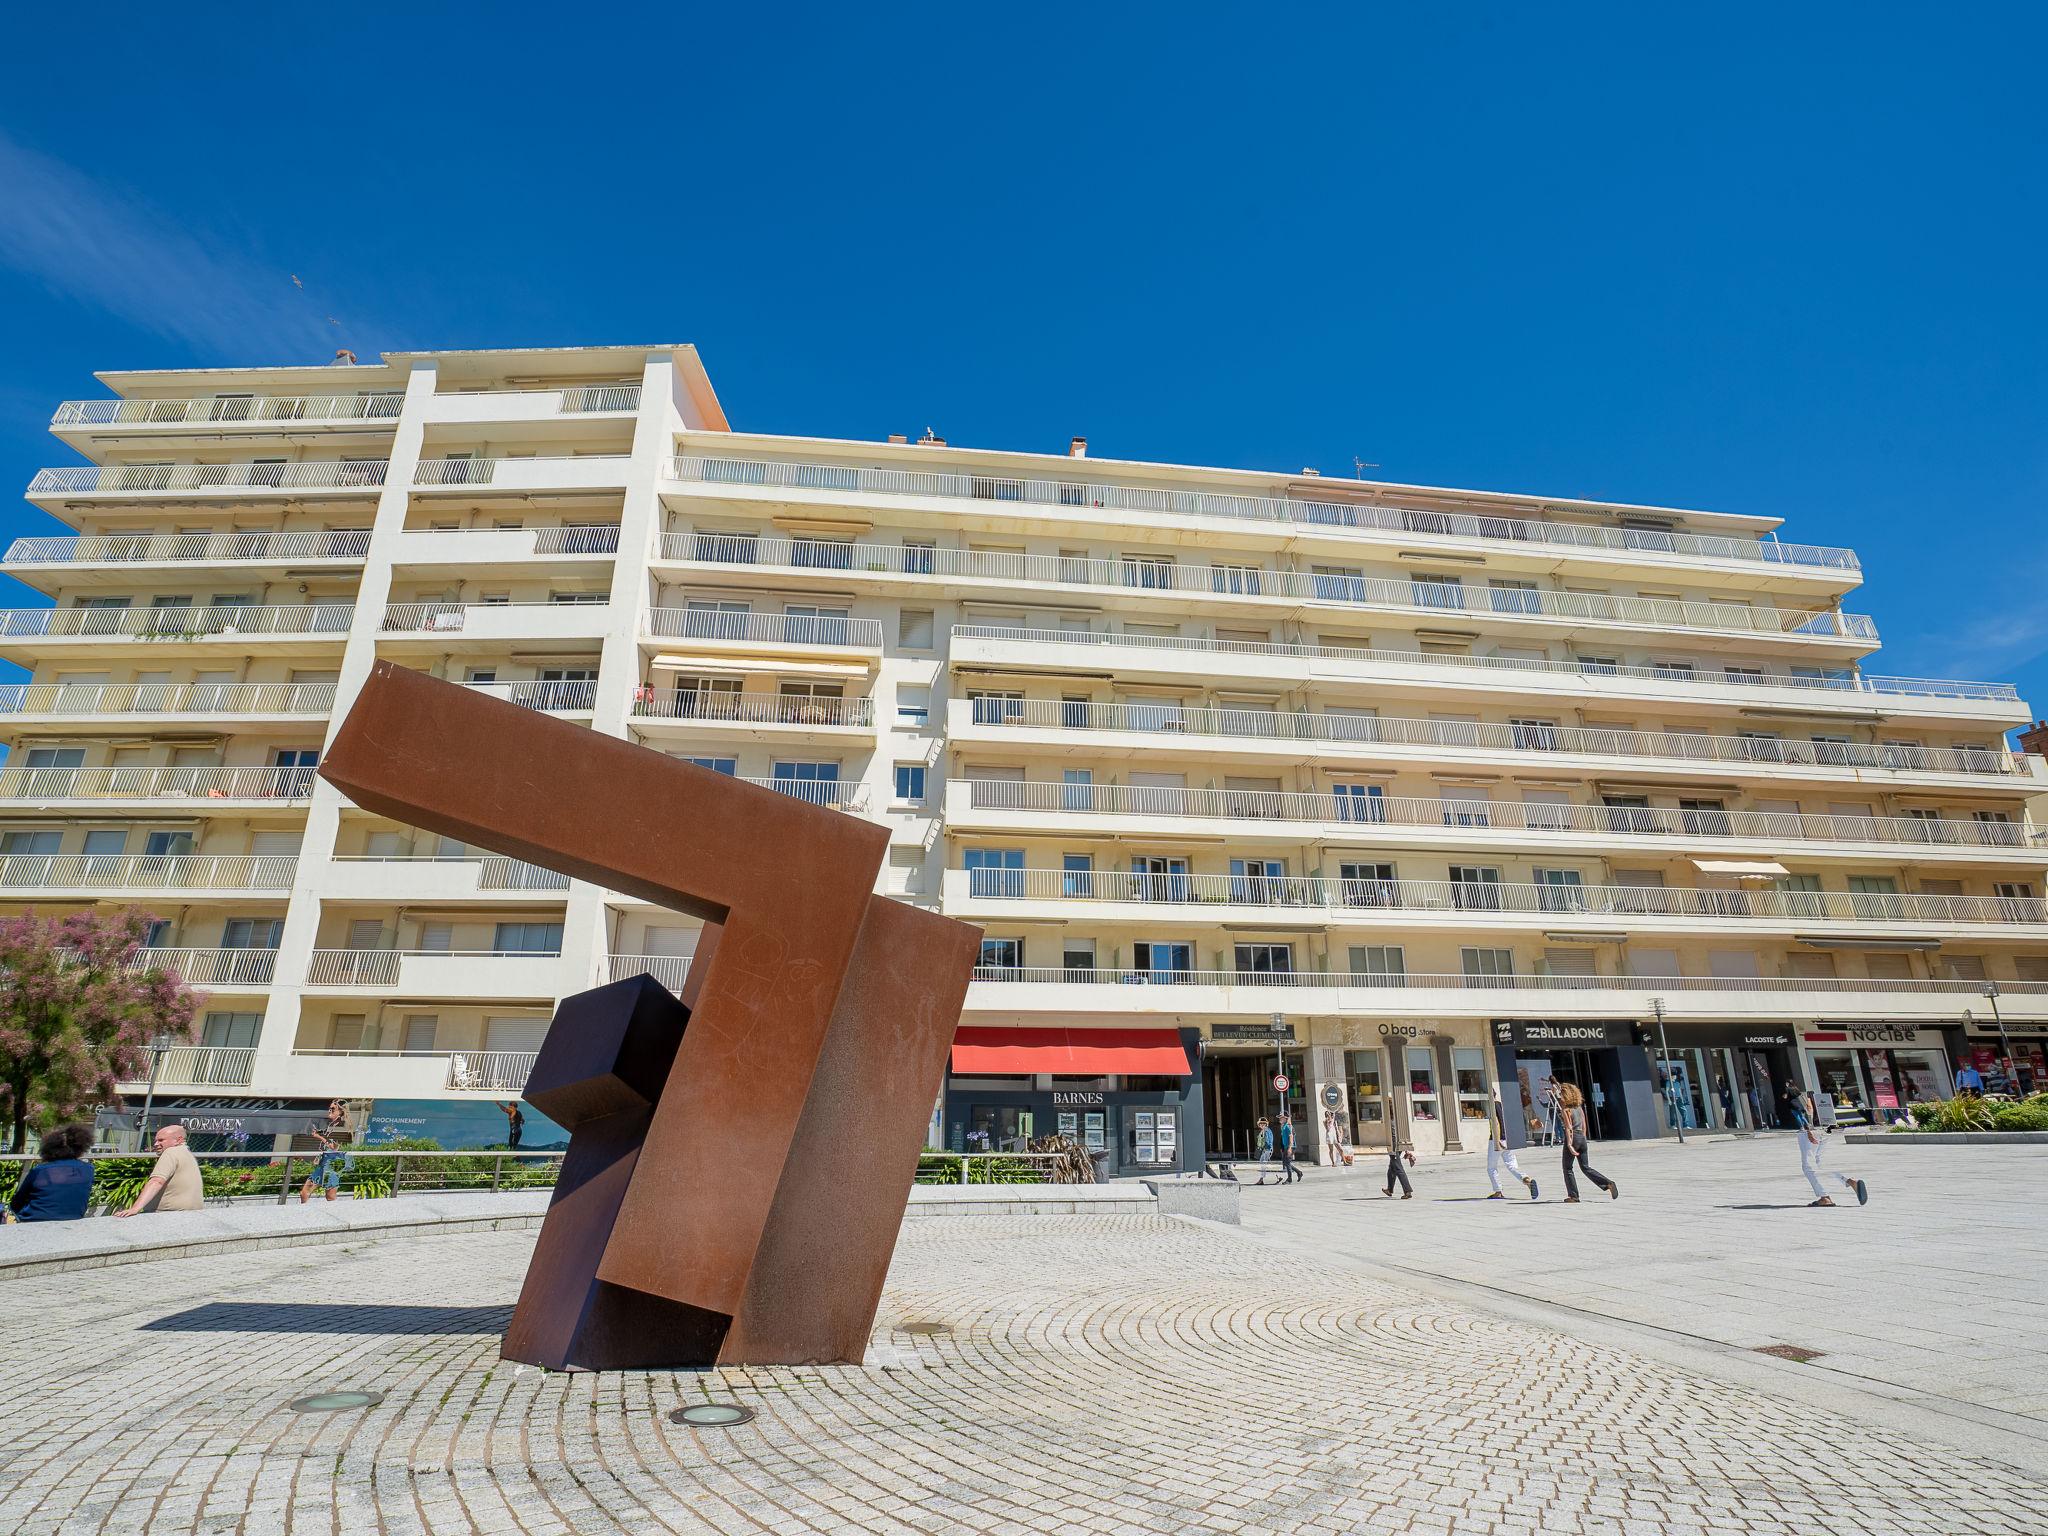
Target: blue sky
[(1774, 259)]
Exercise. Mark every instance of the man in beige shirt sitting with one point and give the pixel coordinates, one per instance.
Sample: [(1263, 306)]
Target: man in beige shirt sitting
[(174, 1183)]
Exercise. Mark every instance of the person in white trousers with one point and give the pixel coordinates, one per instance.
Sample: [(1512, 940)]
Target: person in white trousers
[(1812, 1142), (1500, 1155)]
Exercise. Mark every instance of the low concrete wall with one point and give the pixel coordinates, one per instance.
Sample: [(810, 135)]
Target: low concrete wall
[(1207, 1199), (1134, 1199), (1947, 1138)]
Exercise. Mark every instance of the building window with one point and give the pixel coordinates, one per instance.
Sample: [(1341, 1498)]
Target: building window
[(1001, 960), (914, 629), (1264, 964), (1469, 1070), (527, 939), (1421, 1083), (910, 781), (913, 706), (1381, 965), (1488, 967)]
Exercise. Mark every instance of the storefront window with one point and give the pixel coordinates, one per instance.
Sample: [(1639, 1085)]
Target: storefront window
[(1421, 1083), (1470, 1066), (1834, 1074), (1368, 1093), (999, 1128)]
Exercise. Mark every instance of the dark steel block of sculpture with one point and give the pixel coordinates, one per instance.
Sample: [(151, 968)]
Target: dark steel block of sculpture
[(750, 1219)]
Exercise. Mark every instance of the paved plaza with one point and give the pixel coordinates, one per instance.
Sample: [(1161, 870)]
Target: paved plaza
[(1331, 1367)]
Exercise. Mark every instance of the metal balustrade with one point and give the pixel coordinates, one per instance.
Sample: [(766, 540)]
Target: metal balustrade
[(1400, 594), (1834, 682), (205, 1066), (230, 410), (577, 539), (521, 472), (1323, 516), (182, 622), (558, 697), (193, 783), (669, 970), (380, 967), (1360, 813), (587, 398), (764, 628), (147, 871), (693, 705), (1484, 736), (490, 1071), (838, 794), (295, 475), (495, 871), (1051, 975), (219, 548), (1550, 901), (453, 618), (213, 967), (88, 699)]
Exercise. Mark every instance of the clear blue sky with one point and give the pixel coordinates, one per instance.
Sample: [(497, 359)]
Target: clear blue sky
[(1783, 259)]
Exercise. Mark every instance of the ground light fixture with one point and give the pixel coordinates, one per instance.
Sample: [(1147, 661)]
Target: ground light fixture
[(710, 1415), (335, 1402)]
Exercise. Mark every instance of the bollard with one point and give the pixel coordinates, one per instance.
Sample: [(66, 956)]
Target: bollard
[(284, 1186)]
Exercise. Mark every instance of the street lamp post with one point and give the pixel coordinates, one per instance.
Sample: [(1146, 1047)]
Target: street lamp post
[(157, 1047), (1664, 1050), (2012, 1066)]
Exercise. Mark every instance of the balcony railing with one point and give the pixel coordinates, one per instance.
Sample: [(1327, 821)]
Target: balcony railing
[(600, 397), (380, 967), (88, 699), (1831, 682), (1108, 976), (490, 1071), (1485, 736), (147, 871), (764, 628), (770, 474), (453, 618), (839, 794), (176, 623), (669, 970), (577, 539), (296, 475), (205, 783), (484, 473), (1359, 814), (213, 967), (750, 709), (190, 548), (1399, 594), (204, 1066), (495, 871), (1488, 898), (561, 697), (230, 410)]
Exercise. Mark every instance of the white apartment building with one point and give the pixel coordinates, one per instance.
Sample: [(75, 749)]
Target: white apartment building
[(1405, 794)]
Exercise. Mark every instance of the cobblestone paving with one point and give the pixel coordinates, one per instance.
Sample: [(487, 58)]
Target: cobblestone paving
[(1106, 1374)]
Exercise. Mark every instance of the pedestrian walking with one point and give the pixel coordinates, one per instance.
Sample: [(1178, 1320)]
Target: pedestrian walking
[(1812, 1142), (1727, 1098), (1265, 1147), (1500, 1155), (1571, 1124), (1289, 1173), (58, 1188), (1398, 1149), (174, 1183), (327, 1169)]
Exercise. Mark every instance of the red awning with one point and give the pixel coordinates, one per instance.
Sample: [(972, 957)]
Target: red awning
[(1070, 1052)]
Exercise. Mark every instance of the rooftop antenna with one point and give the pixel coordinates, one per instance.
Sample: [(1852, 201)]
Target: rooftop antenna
[(1362, 465)]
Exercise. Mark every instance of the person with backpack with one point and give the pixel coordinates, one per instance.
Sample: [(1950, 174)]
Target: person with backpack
[(1500, 1155), (1812, 1142), (1571, 1125)]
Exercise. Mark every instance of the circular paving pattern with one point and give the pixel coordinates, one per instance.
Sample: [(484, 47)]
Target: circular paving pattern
[(1100, 1375)]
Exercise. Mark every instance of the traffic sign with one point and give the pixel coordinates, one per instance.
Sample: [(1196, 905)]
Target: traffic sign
[(1279, 1082)]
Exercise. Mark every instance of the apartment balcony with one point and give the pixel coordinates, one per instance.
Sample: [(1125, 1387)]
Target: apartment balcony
[(1233, 588), (227, 413), (749, 634), (550, 698), (145, 706), (496, 406), (1464, 906), (474, 553), (1156, 729), (1245, 816), (414, 879), (848, 795), (590, 472), (196, 789), (1085, 502), (200, 1066), (503, 1073), (669, 970), (1173, 659), (208, 482), (656, 712), (227, 627), (138, 874), (463, 974), (1027, 991), (487, 626), (216, 970), (104, 559)]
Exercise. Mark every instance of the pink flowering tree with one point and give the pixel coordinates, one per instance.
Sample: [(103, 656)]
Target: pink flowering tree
[(77, 1013)]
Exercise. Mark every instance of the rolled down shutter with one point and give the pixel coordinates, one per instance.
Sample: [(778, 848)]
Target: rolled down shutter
[(521, 1034)]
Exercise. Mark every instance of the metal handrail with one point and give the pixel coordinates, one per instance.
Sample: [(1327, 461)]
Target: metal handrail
[(148, 871), (600, 397), (1485, 898), (775, 709), (490, 1071), (557, 696), (669, 970), (1322, 516), (838, 794), (769, 628), (295, 475), (231, 410), (212, 967), (577, 539), (1039, 975), (183, 622), (189, 548), (166, 698), (1163, 575), (1357, 814), (484, 472), (1836, 682), (451, 617), (191, 783), (380, 967), (1483, 736), (197, 1066), (495, 871)]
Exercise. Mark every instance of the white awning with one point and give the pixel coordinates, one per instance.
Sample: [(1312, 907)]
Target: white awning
[(736, 666), (1762, 869)]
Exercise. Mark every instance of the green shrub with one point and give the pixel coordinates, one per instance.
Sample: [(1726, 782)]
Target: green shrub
[(2030, 1115), (1924, 1111)]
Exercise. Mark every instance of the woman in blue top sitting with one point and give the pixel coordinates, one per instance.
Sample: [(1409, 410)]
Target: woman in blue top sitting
[(60, 1186)]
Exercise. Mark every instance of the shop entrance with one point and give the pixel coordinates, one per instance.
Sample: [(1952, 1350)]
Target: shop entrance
[(1597, 1075), (1237, 1088)]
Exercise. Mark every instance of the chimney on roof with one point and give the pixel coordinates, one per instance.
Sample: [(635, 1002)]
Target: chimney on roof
[(1316, 472), (343, 358), (2035, 739), (1077, 448), (898, 437), (931, 439)]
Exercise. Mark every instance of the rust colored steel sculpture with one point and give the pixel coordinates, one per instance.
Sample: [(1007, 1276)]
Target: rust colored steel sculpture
[(740, 1156)]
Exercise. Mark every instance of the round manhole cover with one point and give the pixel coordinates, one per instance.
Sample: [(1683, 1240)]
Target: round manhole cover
[(335, 1402), (711, 1415), (927, 1329)]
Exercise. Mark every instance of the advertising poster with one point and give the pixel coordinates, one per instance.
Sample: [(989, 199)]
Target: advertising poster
[(462, 1126), (1884, 1093)]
